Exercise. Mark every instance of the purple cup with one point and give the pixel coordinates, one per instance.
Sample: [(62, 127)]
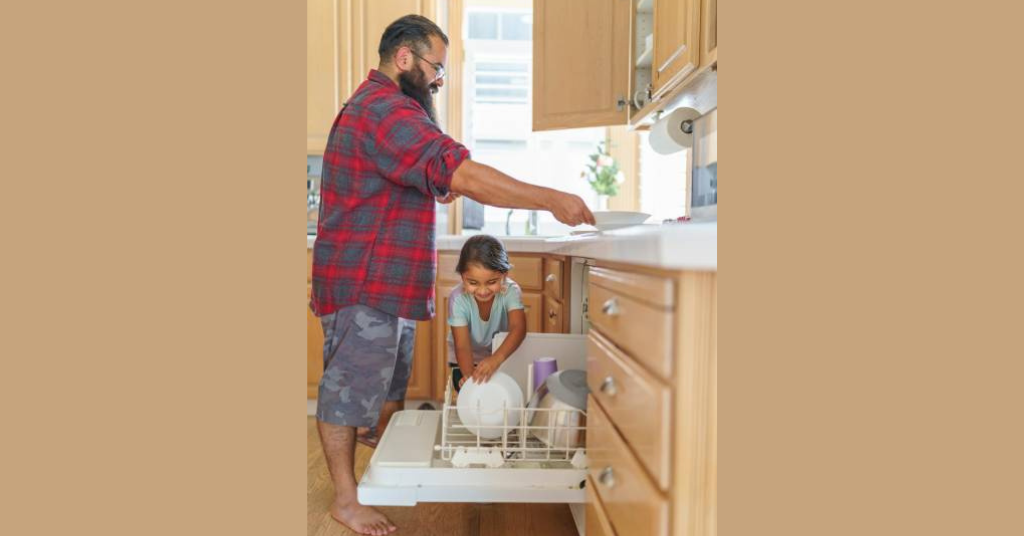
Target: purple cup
[(542, 368)]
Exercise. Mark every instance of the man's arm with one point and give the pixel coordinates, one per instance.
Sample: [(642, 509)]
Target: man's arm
[(488, 186)]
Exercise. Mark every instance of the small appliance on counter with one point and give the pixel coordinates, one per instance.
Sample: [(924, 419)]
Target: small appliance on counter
[(314, 170)]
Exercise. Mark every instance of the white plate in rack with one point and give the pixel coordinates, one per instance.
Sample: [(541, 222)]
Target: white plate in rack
[(481, 407)]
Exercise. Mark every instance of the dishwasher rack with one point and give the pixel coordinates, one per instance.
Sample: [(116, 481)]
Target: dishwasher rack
[(518, 445)]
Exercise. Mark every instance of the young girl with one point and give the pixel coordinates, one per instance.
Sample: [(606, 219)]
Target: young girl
[(487, 302)]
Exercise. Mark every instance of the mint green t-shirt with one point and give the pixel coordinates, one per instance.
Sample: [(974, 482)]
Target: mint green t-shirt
[(464, 311)]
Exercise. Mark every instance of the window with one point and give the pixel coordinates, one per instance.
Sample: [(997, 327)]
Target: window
[(500, 25), (497, 117)]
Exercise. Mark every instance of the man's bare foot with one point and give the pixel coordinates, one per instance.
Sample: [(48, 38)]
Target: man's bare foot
[(362, 519)]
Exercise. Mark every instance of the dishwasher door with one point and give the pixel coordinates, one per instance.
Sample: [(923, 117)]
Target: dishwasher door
[(408, 466)]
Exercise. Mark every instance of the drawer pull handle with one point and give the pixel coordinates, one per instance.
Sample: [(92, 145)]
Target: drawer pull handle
[(550, 278), (608, 386), (607, 477), (610, 307)]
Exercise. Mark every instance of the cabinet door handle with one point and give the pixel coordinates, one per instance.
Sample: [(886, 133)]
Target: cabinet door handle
[(608, 386), (550, 278), (607, 477), (610, 307)]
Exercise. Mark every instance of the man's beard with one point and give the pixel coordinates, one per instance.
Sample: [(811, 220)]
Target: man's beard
[(414, 84)]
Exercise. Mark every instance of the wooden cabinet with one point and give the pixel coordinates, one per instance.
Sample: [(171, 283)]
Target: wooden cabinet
[(708, 33), (633, 504), (615, 62), (314, 349), (652, 412), (342, 37), (579, 63), (534, 309), (420, 381), (676, 26), (328, 70)]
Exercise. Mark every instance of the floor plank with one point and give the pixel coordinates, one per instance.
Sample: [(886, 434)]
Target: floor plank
[(429, 519)]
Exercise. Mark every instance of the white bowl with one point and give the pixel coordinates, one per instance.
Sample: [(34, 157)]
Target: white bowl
[(607, 220), (482, 407)]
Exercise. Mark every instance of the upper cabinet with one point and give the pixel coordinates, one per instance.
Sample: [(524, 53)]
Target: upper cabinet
[(326, 70), (615, 62), (341, 47), (708, 33), (676, 25), (580, 56)]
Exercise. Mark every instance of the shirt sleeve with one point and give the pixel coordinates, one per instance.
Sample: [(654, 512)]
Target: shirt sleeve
[(458, 310), (513, 297), (411, 151)]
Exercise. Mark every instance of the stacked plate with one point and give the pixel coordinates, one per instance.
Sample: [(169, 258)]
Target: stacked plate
[(608, 220)]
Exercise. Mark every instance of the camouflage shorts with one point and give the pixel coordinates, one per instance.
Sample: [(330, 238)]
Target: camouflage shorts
[(367, 359)]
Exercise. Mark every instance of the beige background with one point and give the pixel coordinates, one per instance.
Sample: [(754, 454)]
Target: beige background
[(152, 348)]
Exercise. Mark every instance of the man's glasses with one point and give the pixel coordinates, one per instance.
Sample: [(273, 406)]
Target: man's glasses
[(438, 68)]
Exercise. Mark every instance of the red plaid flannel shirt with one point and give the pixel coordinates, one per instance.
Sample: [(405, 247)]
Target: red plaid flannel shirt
[(384, 163)]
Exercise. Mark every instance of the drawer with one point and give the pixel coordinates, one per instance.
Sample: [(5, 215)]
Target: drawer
[(597, 520), (309, 265), (656, 291), (552, 316), (446, 263), (527, 272), (643, 331), (633, 503), (637, 402), (553, 278), (534, 314)]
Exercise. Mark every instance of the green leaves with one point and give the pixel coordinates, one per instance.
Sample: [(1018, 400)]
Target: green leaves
[(604, 171)]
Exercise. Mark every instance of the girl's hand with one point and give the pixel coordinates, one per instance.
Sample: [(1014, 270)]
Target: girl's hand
[(486, 368)]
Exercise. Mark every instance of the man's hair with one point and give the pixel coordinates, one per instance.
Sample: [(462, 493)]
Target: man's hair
[(413, 31)]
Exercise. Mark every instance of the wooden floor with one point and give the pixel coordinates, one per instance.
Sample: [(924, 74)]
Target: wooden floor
[(426, 519)]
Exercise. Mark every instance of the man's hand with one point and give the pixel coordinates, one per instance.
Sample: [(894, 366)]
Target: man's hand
[(570, 209), (486, 368), (452, 196)]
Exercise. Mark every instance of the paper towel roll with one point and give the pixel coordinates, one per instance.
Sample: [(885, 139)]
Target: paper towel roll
[(667, 134)]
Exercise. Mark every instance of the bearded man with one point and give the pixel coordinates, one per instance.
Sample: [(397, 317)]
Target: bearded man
[(374, 261)]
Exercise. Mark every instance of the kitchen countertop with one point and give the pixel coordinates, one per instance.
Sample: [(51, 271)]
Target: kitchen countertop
[(682, 246)]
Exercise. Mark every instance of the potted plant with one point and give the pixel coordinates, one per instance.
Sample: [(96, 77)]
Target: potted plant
[(603, 175)]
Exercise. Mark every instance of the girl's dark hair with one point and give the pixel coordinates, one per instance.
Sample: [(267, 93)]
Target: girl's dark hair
[(412, 31), (486, 251)]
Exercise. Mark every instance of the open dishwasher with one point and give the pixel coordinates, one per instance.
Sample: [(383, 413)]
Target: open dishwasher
[(430, 456)]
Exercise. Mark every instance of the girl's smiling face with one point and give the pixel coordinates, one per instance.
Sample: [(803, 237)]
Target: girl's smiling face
[(481, 282)]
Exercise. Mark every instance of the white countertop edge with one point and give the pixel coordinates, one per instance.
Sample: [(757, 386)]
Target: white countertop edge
[(685, 246)]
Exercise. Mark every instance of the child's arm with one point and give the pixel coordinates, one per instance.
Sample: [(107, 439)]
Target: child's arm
[(516, 334), (463, 350)]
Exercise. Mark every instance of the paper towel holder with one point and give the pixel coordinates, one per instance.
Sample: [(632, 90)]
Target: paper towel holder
[(673, 131)]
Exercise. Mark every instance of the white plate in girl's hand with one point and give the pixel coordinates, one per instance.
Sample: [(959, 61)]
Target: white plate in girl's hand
[(481, 406)]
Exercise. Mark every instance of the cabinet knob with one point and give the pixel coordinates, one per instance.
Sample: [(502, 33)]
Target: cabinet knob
[(552, 313), (550, 278), (608, 386), (607, 477), (610, 307)]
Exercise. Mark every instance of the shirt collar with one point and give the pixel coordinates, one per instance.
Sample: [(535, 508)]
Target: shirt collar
[(381, 78)]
